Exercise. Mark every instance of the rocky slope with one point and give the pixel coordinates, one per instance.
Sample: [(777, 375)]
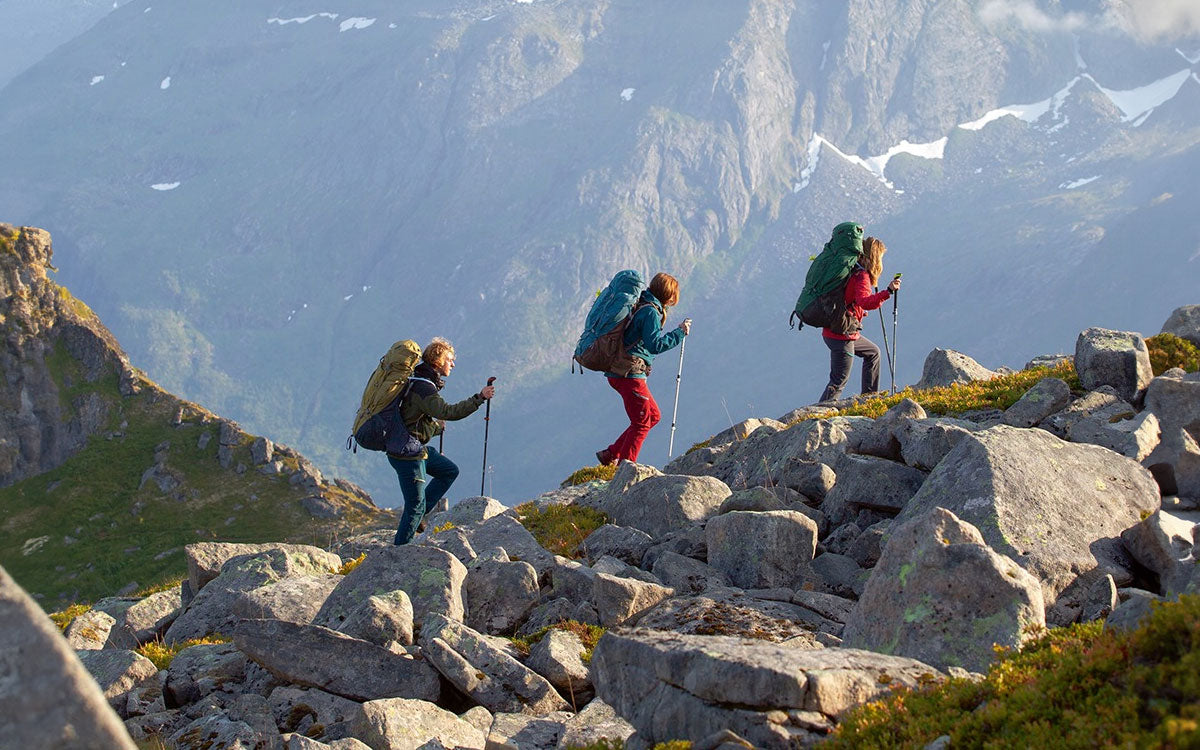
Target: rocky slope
[(104, 476), (766, 582)]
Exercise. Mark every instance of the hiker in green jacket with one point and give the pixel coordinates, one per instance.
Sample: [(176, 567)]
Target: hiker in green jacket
[(425, 412), (644, 338)]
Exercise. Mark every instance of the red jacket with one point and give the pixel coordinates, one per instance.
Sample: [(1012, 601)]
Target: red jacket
[(858, 300)]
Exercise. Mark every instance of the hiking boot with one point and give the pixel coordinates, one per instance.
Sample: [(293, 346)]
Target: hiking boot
[(605, 457)]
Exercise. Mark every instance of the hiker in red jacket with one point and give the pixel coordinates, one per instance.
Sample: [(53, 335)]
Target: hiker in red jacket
[(843, 348)]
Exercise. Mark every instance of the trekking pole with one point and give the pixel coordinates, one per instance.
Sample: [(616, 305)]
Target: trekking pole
[(487, 418), (888, 352), (895, 304), (675, 411)]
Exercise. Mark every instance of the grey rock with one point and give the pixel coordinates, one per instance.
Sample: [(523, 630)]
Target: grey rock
[(619, 599), (880, 439), (810, 478), (842, 537), (453, 541), (381, 619), (201, 670), (117, 672), (297, 709), (833, 608), (627, 475), (658, 505), (760, 550), (206, 559), (1102, 600), (596, 722), (262, 451), (145, 620), (671, 686), (690, 542), (869, 482), (753, 499), (334, 662), (1052, 506), (939, 594), (1129, 614), (89, 631), (432, 578), (1134, 437), (217, 731), (157, 725), (785, 458), (471, 510), (1164, 544), (492, 678), (521, 732), (400, 724), (1048, 396), (621, 569), (507, 532), (867, 547), (839, 574), (558, 657), (212, 610), (1102, 404), (687, 575), (1184, 322), (296, 599), (547, 613), (947, 367), (500, 594), (478, 717), (1048, 360), (732, 612), (622, 542), (1114, 358)]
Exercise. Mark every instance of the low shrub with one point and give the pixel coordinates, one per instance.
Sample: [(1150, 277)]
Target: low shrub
[(1168, 350), (162, 654), (1076, 687), (350, 565), (560, 529), (589, 635), (63, 618), (599, 473)]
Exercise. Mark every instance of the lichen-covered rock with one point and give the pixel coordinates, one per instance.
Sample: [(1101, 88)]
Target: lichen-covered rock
[(880, 438), (1054, 507), (761, 550), (381, 619), (622, 542), (755, 499), (521, 732), (870, 482), (671, 686), (618, 599), (924, 443), (790, 458), (1047, 397), (1165, 545), (500, 593), (1114, 358), (732, 612), (296, 599), (298, 709), (145, 620), (399, 724), (507, 532), (334, 662), (1102, 404), (549, 612), (596, 722), (558, 657), (947, 367), (489, 676), (432, 578), (658, 505), (218, 731), (939, 594), (1184, 322), (89, 631), (205, 560), (1134, 438), (117, 672), (199, 670), (686, 575)]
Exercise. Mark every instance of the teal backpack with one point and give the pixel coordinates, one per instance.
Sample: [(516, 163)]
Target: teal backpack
[(822, 301), (601, 347)]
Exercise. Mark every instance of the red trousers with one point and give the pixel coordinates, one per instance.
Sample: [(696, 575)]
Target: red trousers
[(643, 414)]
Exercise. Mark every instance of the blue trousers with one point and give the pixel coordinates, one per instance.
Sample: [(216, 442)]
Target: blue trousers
[(420, 492)]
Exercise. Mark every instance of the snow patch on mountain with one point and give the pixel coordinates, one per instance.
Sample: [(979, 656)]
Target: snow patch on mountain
[(627, 94), (164, 186), (1078, 183), (1026, 112), (95, 80), (1137, 104), (355, 23), (1193, 58), (166, 83), (303, 19)]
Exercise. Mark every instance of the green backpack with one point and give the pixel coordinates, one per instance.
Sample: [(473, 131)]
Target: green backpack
[(822, 301)]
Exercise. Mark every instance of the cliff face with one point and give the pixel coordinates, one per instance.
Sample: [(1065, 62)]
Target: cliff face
[(57, 359), (104, 476)]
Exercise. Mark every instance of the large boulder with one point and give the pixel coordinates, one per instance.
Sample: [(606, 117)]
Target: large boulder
[(1114, 358), (1055, 507), (296, 599), (212, 610), (939, 594), (201, 670), (558, 657), (500, 593), (947, 367), (880, 439), (1184, 322), (596, 722), (687, 687), (732, 612), (1048, 396), (205, 559), (1101, 405), (117, 672), (400, 724), (661, 504), (621, 542), (521, 732), (870, 482), (90, 630), (145, 620), (1165, 545), (925, 442), (432, 578), (1136, 437), (334, 662), (617, 598), (298, 709), (47, 697), (381, 619), (482, 671), (758, 550), (507, 532), (790, 458)]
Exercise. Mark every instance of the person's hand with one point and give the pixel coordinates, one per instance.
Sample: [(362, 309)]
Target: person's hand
[(895, 285), (487, 392), (686, 325)]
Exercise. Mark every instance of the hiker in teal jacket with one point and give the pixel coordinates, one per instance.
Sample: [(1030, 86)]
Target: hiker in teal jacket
[(644, 339)]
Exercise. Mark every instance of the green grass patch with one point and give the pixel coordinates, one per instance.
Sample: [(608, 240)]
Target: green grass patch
[(63, 618), (165, 584), (162, 655), (607, 744), (561, 529), (1076, 687), (589, 635), (590, 474), (998, 393), (698, 446)]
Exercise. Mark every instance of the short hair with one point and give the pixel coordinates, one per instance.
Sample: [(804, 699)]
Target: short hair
[(435, 354), (666, 288)]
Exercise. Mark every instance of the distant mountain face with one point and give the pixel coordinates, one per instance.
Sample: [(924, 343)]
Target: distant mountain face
[(34, 29), (261, 197)]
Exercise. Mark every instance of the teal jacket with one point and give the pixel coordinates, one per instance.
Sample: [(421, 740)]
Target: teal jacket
[(644, 335)]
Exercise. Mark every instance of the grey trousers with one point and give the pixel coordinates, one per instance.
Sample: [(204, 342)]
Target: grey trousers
[(841, 359)]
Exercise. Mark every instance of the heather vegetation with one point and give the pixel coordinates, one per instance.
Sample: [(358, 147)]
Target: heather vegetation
[(1168, 350), (587, 474), (561, 529), (163, 654)]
